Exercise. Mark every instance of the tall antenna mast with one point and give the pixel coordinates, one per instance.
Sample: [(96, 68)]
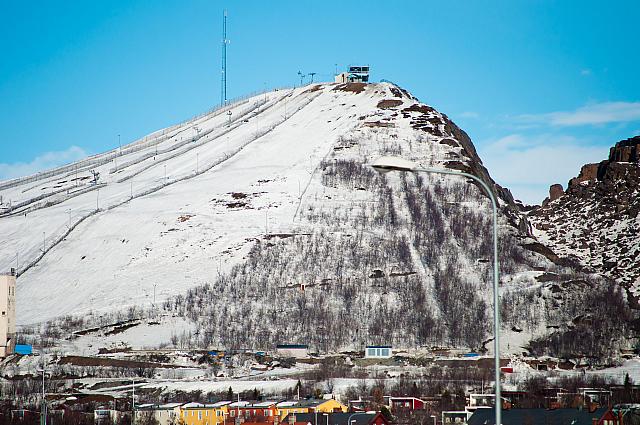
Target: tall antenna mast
[(223, 86)]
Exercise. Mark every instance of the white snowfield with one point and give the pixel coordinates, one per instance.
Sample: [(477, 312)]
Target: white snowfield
[(161, 217)]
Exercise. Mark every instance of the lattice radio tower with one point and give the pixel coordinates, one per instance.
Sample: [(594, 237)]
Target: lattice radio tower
[(223, 86)]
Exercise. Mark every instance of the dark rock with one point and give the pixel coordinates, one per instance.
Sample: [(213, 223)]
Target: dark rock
[(555, 191), (626, 150)]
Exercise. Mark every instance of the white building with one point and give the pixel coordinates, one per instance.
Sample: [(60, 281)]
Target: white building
[(378, 352), (163, 414), (7, 313), (298, 351), (355, 74)]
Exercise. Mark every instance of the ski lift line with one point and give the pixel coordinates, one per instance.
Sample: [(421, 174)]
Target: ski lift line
[(225, 157), (52, 203), (18, 208), (190, 144), (223, 133), (105, 157), (56, 242), (326, 155)]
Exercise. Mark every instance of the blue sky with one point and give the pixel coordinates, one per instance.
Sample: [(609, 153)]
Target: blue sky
[(540, 86)]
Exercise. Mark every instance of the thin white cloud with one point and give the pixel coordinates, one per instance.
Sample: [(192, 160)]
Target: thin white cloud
[(42, 162), (529, 165), (585, 72), (592, 114), (469, 114)]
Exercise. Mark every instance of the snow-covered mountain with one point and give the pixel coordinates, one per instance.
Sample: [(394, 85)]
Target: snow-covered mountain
[(261, 222)]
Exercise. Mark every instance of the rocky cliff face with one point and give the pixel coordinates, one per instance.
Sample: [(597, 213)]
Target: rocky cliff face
[(595, 220)]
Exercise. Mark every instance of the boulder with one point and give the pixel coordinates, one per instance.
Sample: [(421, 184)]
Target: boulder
[(555, 191)]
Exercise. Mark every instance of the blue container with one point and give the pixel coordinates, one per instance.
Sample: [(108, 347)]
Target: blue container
[(470, 355), (23, 350)]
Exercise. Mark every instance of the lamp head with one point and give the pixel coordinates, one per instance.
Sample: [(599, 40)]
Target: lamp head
[(384, 164)]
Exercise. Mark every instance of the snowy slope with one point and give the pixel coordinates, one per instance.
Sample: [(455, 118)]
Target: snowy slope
[(222, 219)]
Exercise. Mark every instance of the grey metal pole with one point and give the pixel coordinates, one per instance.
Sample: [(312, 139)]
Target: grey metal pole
[(44, 408), (496, 280)]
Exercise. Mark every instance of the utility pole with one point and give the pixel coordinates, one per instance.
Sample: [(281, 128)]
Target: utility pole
[(223, 86), (43, 408), (312, 74)]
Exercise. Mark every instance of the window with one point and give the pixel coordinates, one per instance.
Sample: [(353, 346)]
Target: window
[(371, 352), (385, 352), (199, 414), (233, 413), (377, 352)]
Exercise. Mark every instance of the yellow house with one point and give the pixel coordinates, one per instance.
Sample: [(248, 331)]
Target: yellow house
[(328, 406), (309, 406), (286, 407), (204, 414)]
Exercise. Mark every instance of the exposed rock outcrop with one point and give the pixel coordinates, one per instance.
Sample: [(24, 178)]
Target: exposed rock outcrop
[(626, 151), (555, 191), (596, 218), (588, 172)]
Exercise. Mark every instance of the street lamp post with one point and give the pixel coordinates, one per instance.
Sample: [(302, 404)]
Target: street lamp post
[(390, 163), (43, 407)]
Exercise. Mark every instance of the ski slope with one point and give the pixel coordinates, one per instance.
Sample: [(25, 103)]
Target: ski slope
[(160, 218)]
